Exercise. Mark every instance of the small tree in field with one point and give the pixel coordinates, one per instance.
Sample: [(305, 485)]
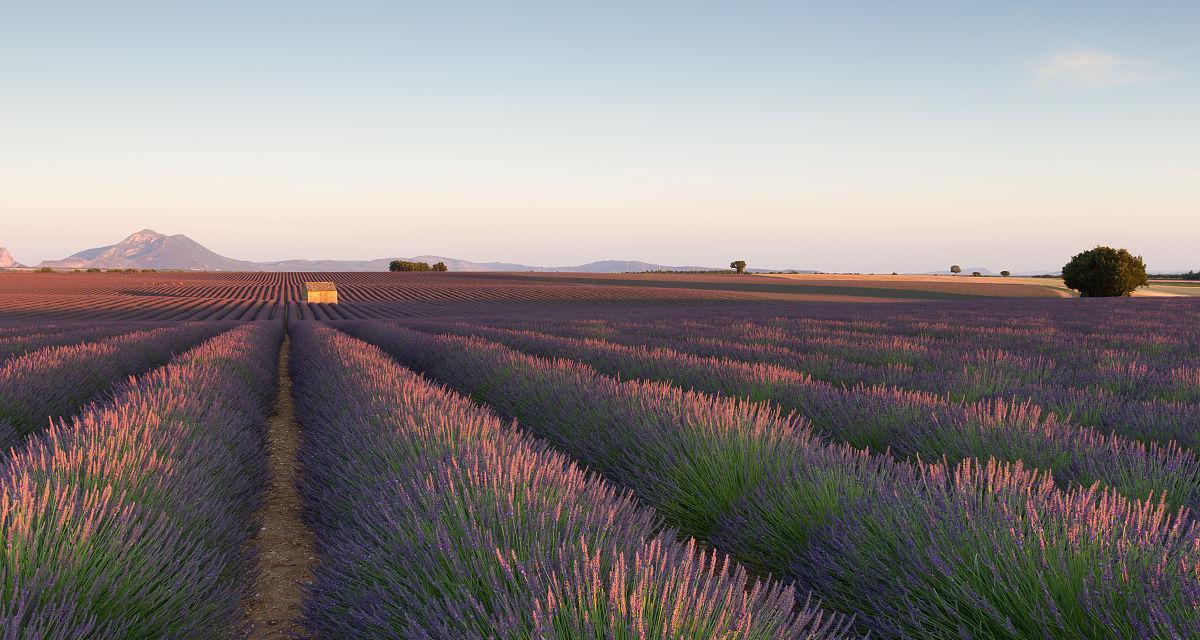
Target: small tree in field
[(1105, 272), (738, 266), (977, 274), (1006, 273), (439, 266), (955, 269)]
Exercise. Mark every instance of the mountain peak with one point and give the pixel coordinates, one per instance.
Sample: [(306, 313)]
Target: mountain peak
[(145, 235), (149, 249), (6, 259)]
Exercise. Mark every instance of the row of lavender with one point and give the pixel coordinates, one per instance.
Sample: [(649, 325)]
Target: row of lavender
[(910, 424), (1077, 337), (1132, 369), (55, 381), (1139, 390), (435, 520), (16, 329), (981, 550), (33, 338), (132, 519)]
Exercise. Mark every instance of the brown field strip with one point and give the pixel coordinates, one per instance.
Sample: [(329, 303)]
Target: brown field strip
[(284, 544)]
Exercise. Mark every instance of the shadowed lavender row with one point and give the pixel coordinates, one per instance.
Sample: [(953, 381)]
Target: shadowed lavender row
[(132, 520), (17, 328), (56, 381), (435, 520), (37, 337), (910, 424), (931, 551)]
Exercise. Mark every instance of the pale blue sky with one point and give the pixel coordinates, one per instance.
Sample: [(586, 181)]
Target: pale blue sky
[(877, 137)]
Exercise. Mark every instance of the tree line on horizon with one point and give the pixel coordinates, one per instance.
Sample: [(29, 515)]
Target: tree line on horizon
[(407, 265), (1102, 272), (1099, 272)]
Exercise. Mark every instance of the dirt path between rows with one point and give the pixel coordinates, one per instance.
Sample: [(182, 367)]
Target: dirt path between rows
[(284, 545)]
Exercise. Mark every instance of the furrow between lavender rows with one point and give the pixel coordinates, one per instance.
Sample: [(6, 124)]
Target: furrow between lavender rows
[(978, 549)]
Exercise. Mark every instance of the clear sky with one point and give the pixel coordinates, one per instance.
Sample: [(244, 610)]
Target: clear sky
[(837, 136)]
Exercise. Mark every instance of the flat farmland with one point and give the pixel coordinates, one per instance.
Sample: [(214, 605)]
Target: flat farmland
[(1016, 287), (962, 286), (557, 455)]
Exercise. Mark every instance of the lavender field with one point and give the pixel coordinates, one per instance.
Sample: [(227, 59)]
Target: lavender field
[(599, 321), (966, 470), (1007, 470)]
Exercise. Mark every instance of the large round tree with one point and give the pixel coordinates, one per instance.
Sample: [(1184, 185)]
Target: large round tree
[(1105, 272)]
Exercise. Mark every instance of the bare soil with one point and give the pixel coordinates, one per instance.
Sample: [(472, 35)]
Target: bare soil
[(284, 545)]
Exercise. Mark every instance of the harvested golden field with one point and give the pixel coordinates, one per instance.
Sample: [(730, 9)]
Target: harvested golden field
[(921, 286)]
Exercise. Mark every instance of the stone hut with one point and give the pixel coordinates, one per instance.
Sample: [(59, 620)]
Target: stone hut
[(320, 292)]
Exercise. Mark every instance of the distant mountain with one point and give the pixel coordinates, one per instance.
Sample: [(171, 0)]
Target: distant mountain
[(7, 261), (966, 271), (148, 249), (456, 264), (1042, 272), (624, 266), (381, 264), (791, 271)]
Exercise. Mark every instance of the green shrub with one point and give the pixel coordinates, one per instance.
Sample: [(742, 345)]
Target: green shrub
[(1105, 272), (405, 265)]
